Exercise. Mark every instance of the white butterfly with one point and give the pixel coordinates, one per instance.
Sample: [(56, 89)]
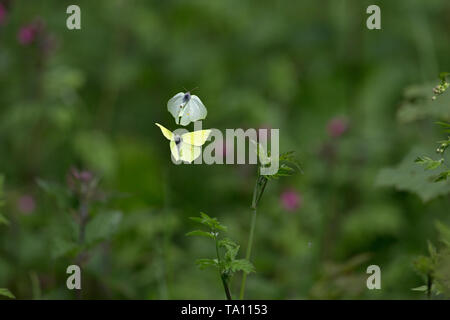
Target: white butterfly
[(185, 147), (187, 107)]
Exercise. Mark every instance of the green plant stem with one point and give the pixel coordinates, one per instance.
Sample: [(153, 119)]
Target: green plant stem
[(258, 191), (248, 253), (224, 281), (83, 220)]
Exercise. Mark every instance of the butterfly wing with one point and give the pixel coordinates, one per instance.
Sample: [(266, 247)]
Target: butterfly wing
[(189, 152), (174, 105), (194, 110), (167, 133), (174, 151), (196, 138)]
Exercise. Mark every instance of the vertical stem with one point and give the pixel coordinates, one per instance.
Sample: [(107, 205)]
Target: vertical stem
[(227, 289), (83, 219), (429, 285), (258, 191), (224, 281), (248, 253)]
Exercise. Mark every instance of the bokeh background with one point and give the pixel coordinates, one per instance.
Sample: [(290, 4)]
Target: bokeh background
[(77, 114)]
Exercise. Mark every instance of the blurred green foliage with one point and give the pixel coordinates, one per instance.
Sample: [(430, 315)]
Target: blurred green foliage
[(89, 98)]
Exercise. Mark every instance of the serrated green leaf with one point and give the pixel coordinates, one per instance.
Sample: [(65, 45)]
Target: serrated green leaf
[(242, 265), (223, 243), (6, 293), (200, 233), (212, 223), (429, 163), (232, 251)]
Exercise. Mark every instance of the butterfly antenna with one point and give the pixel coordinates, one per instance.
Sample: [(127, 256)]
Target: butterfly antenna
[(193, 89)]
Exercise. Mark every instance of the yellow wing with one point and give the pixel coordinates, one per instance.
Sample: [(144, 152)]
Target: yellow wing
[(168, 134), (196, 138), (189, 152)]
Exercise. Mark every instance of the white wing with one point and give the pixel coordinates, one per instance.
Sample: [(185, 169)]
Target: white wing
[(194, 110), (175, 104)]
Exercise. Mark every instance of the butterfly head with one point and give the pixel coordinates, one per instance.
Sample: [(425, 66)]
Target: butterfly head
[(177, 139), (187, 97)]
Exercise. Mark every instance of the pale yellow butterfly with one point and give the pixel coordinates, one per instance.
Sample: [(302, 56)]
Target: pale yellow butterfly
[(185, 147)]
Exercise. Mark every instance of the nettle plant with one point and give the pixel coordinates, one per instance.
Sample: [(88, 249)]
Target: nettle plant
[(189, 108), (435, 268), (3, 221), (428, 162), (83, 220)]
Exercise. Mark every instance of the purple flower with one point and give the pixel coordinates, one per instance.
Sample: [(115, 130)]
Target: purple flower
[(82, 183), (32, 32), (26, 204), (291, 200), (27, 34), (337, 127), (2, 13)]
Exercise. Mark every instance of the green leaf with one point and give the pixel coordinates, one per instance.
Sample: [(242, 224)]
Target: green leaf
[(408, 176), (212, 223), (231, 252), (421, 288), (102, 226), (205, 263), (418, 104), (242, 265), (443, 176), (197, 219), (443, 75), (6, 293), (200, 233), (223, 243), (443, 124), (429, 163), (423, 265)]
